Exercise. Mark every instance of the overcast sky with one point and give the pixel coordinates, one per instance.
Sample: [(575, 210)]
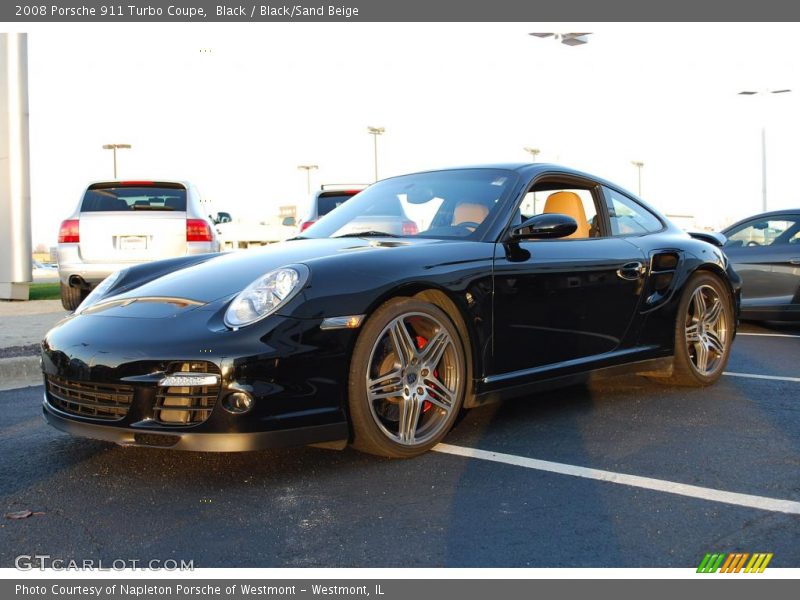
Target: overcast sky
[(236, 107)]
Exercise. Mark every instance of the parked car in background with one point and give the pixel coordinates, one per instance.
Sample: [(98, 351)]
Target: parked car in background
[(381, 339), (243, 233), (765, 251), (121, 223), (44, 272), (327, 198)]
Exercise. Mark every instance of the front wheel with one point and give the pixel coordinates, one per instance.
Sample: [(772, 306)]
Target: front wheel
[(407, 379), (704, 331)]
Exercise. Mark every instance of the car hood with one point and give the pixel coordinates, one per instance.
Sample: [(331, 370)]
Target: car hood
[(228, 274)]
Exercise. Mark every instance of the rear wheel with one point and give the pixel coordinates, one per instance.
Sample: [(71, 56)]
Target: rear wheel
[(704, 331), (71, 297), (407, 379)]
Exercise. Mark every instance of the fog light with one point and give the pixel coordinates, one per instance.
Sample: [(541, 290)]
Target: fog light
[(238, 403)]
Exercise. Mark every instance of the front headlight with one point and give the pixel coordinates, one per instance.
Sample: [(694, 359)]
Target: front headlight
[(265, 295), (101, 290)]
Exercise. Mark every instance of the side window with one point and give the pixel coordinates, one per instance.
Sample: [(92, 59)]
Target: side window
[(628, 217), (763, 232), (577, 203)]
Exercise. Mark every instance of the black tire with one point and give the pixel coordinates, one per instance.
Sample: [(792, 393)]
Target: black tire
[(686, 371), (71, 297), (427, 398)]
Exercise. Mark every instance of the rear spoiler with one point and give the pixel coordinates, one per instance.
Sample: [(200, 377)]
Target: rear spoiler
[(344, 186), (712, 237)]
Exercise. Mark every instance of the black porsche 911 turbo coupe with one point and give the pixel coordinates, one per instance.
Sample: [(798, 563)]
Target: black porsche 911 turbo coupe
[(369, 331)]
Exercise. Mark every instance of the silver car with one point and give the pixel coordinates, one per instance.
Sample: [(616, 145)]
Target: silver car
[(120, 223)]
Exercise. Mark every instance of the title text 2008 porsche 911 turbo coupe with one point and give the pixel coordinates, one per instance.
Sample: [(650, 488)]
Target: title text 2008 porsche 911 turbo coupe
[(370, 331)]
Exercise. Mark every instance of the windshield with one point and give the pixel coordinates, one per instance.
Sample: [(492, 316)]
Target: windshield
[(440, 204), (327, 201), (102, 197)]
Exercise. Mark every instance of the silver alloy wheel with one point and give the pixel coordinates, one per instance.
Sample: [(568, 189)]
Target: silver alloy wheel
[(707, 330), (412, 378)]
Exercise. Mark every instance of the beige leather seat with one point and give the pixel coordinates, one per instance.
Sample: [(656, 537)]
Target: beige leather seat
[(570, 204), (470, 212)]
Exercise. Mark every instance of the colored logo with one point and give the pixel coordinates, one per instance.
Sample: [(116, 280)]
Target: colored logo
[(735, 562)]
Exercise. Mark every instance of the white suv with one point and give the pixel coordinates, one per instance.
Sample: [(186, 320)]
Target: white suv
[(119, 223)]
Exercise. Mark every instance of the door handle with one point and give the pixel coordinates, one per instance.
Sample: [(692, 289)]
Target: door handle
[(631, 271), (794, 261)]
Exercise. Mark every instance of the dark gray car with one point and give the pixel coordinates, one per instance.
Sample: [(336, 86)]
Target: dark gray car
[(765, 251)]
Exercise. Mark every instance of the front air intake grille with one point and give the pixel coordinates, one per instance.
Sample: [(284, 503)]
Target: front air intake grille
[(186, 405), (108, 401)]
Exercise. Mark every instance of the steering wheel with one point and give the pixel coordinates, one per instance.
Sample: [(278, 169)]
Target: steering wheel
[(752, 243), (471, 225)]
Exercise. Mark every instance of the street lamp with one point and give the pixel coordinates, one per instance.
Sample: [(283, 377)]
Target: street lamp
[(114, 148), (534, 152), (375, 132), (569, 39), (763, 93), (638, 164), (308, 169)]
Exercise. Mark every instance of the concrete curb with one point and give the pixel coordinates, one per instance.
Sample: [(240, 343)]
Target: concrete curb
[(20, 371)]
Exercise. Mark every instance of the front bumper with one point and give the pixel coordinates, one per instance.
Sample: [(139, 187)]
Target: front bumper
[(102, 377), (198, 442)]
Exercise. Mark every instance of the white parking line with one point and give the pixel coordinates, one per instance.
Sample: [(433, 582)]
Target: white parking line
[(786, 335), (660, 485), (755, 376)]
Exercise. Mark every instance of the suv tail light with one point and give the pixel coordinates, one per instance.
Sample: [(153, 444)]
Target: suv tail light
[(197, 230), (69, 232), (305, 225), (410, 228)]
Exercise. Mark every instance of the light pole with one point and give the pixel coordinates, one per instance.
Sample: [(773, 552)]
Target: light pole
[(114, 148), (638, 164), (308, 169), (375, 132), (534, 152), (763, 94)]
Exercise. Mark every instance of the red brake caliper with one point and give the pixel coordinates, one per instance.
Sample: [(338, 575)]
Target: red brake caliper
[(421, 343)]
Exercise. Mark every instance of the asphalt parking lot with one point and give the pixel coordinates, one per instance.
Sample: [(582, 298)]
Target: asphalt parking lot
[(542, 482)]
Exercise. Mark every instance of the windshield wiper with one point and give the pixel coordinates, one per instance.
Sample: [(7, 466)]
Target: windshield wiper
[(371, 233)]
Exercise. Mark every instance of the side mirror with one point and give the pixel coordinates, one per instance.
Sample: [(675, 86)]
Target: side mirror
[(546, 226)]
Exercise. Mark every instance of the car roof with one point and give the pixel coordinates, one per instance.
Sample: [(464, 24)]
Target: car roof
[(528, 168), (773, 213), (533, 169)]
